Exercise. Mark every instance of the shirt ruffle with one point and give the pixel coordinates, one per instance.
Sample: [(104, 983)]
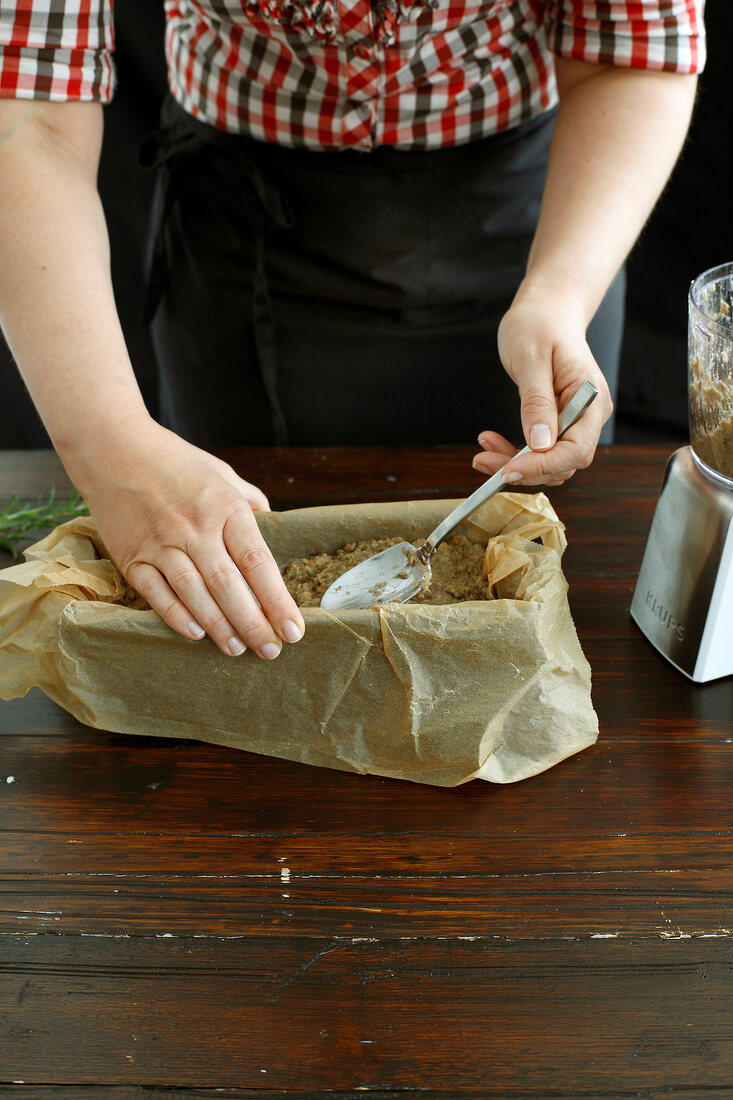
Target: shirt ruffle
[(390, 13), (319, 18)]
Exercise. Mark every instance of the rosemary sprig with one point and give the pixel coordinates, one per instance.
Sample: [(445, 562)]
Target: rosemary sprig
[(17, 519)]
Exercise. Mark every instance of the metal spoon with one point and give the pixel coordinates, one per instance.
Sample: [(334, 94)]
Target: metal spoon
[(400, 572)]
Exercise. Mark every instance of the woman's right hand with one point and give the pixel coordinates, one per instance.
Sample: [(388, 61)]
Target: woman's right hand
[(179, 525)]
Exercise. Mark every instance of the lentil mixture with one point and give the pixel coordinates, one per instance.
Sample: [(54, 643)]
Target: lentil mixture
[(457, 567)]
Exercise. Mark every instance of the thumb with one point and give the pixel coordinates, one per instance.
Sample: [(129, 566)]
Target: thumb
[(538, 407), (256, 499)]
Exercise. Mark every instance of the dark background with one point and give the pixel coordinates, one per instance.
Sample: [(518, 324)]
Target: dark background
[(690, 230)]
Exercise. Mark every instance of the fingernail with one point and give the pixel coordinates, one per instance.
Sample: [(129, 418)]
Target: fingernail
[(235, 647), (270, 651), (196, 631), (290, 631), (512, 477), (539, 437)]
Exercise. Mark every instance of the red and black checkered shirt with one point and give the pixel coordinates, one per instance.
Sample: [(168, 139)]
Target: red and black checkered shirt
[(331, 74)]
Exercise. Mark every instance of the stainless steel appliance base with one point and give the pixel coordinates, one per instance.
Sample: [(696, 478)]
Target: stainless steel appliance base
[(683, 600)]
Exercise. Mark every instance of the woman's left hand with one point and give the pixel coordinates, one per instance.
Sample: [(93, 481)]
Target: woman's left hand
[(543, 348)]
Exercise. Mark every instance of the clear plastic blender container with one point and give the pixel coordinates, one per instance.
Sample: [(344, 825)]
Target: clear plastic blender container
[(710, 373)]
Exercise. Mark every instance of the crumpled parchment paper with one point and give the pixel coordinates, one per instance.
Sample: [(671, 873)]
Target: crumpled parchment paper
[(496, 689)]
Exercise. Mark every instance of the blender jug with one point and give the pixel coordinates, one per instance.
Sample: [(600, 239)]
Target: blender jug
[(710, 374)]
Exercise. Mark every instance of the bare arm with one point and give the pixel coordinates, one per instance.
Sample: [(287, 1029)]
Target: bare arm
[(56, 297), (618, 134), (177, 521)]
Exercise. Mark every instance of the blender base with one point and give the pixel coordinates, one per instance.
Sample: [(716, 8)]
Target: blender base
[(683, 601)]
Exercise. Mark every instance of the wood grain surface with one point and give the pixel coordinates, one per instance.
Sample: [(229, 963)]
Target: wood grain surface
[(180, 919)]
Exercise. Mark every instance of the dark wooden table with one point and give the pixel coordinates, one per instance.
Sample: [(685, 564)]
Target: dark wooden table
[(178, 916)]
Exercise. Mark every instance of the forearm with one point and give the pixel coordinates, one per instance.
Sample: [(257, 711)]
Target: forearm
[(57, 305), (618, 134)]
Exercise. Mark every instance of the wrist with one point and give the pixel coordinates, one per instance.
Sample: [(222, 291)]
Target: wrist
[(102, 446), (559, 292)]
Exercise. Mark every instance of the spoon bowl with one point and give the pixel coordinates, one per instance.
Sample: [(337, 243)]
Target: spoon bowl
[(393, 575)]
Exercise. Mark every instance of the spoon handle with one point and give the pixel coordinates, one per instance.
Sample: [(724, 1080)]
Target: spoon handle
[(576, 406)]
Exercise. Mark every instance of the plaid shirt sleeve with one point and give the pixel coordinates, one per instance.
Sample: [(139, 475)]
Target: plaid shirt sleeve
[(666, 35), (56, 49)]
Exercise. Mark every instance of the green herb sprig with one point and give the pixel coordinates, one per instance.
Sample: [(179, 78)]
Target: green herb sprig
[(17, 519)]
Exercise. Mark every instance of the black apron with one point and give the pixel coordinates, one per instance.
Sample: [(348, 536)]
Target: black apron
[(315, 298)]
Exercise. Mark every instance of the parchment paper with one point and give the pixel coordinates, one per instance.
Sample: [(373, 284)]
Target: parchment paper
[(496, 689)]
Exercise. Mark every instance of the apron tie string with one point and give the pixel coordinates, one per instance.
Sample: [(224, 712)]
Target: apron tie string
[(262, 202)]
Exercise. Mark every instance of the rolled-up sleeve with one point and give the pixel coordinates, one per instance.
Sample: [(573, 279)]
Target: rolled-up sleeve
[(56, 49), (665, 35)]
